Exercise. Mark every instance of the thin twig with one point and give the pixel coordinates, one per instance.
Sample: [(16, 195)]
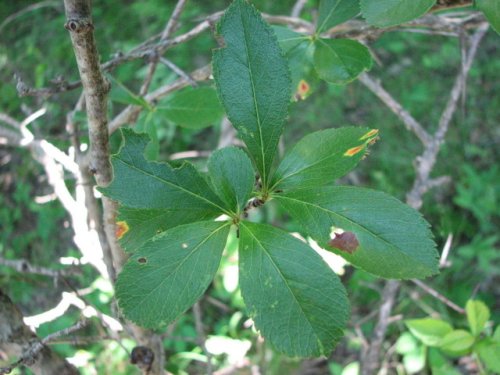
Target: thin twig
[(29, 356), (178, 71), (438, 295), (23, 266), (297, 8), (407, 119), (198, 320)]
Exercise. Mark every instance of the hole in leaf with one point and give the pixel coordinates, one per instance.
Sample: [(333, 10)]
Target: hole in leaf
[(184, 245), (142, 260)]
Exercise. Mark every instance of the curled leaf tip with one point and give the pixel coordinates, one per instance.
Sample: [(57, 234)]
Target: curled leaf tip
[(345, 241), (121, 228), (372, 133), (354, 150)]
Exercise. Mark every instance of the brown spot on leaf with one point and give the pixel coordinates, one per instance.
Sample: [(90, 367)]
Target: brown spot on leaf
[(354, 150), (121, 228), (142, 260), (345, 241)]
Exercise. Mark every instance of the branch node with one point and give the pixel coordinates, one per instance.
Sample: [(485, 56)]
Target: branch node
[(79, 25)]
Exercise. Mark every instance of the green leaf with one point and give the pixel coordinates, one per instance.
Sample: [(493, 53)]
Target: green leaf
[(139, 183), (414, 362), (385, 13), (491, 10), (458, 342), (394, 241), (489, 352), (136, 226), (429, 331), (496, 334), (192, 108), (299, 52), (289, 39), (296, 301), (169, 273), (321, 157), (334, 12), (253, 82), (406, 343), (121, 94), (478, 315), (232, 177), (147, 124), (340, 61), (439, 364)]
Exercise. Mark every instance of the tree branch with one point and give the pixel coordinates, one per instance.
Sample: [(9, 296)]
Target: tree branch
[(424, 165), (16, 339)]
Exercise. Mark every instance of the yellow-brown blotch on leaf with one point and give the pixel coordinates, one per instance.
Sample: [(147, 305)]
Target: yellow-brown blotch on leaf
[(303, 89), (354, 150), (121, 228)]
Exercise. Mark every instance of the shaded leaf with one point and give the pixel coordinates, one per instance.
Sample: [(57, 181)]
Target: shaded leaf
[(394, 239), (491, 10), (429, 331), (296, 301), (170, 272), (232, 177), (385, 13), (299, 52), (139, 183), (334, 12), (253, 82), (192, 108), (340, 61), (321, 157), (143, 224)]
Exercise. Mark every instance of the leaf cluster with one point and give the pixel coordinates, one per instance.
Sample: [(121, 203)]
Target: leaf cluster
[(167, 212)]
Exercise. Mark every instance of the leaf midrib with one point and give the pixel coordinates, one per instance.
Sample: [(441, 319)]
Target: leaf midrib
[(350, 221), (330, 13), (174, 271), (286, 283), (174, 185), (302, 169), (259, 124)]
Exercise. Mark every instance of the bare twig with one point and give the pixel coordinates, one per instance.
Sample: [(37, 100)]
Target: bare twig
[(407, 119), (16, 339), (198, 320), (297, 8), (155, 54), (438, 296), (96, 87), (23, 266), (178, 71), (370, 358), (30, 354)]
